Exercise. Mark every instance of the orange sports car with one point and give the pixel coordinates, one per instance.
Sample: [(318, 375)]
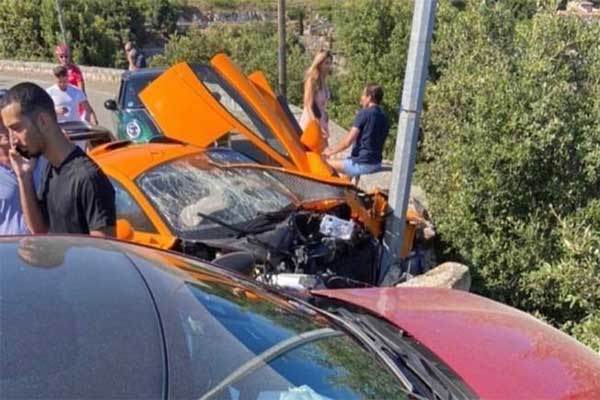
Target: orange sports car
[(283, 227), (271, 208)]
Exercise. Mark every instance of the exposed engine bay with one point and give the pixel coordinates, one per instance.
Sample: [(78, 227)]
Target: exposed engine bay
[(297, 249)]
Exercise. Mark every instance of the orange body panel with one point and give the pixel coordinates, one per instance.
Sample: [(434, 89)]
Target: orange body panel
[(187, 110)]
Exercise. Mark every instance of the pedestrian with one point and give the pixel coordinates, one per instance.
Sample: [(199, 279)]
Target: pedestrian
[(367, 136), (68, 98), (12, 220), (74, 75), (74, 196), (316, 92), (135, 58)]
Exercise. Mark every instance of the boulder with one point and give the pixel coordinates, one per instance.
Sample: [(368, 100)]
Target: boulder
[(450, 275)]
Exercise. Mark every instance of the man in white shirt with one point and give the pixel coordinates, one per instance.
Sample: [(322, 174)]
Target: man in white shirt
[(67, 98)]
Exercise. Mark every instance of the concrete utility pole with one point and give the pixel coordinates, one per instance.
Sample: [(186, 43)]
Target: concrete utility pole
[(281, 55), (60, 21), (406, 140)]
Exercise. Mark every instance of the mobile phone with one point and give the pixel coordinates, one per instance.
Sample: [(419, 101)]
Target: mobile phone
[(22, 152)]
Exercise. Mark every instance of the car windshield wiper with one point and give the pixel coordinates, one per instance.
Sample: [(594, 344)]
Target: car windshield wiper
[(266, 219), (262, 222), (426, 380), (264, 358), (244, 232), (224, 224)]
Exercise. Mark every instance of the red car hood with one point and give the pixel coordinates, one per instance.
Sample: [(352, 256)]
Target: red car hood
[(499, 351)]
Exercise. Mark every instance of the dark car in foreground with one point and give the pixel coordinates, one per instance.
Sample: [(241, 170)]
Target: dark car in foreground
[(83, 317), (132, 120), (85, 134)]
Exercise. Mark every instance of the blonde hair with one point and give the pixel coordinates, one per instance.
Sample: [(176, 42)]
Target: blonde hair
[(313, 73)]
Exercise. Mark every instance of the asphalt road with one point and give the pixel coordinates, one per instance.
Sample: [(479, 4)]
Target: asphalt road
[(97, 92)]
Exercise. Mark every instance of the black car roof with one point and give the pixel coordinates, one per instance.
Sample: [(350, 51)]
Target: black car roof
[(143, 73), (76, 319)]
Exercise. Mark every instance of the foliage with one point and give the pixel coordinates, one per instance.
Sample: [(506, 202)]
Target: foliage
[(251, 46), (511, 154), (20, 21), (160, 15), (96, 29), (572, 280)]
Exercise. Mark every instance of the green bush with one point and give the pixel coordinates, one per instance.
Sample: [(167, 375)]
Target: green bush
[(511, 154), (252, 46), (20, 30), (96, 29)]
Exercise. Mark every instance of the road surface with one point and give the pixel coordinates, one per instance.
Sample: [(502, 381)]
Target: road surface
[(97, 92)]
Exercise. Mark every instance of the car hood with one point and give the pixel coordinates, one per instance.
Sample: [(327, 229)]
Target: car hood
[(499, 351), (200, 104)]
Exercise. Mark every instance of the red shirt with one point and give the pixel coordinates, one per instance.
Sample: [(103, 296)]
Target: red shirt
[(74, 75)]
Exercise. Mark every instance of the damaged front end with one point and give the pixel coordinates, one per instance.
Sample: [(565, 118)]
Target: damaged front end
[(281, 228), (299, 249)]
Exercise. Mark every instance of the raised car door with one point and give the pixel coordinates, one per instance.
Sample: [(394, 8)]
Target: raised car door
[(198, 105)]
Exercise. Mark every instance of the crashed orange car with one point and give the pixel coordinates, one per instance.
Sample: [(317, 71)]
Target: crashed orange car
[(273, 210), (282, 227)]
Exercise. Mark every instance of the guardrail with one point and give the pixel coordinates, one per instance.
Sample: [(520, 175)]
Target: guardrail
[(39, 67)]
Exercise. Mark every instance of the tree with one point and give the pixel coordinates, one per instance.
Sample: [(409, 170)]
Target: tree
[(20, 21), (96, 29), (252, 46), (510, 157)]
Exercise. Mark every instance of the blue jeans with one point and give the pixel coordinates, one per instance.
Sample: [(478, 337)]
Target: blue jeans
[(353, 168)]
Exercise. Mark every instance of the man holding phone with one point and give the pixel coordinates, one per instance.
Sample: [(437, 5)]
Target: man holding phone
[(74, 194), (12, 220)]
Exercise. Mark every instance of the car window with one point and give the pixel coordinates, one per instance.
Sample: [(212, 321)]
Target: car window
[(129, 209), (133, 87), (230, 341), (279, 355), (237, 107)]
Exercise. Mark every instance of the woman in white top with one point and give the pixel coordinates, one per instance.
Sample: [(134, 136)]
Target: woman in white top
[(316, 92)]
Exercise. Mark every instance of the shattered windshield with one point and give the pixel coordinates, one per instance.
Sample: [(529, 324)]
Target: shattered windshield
[(184, 189)]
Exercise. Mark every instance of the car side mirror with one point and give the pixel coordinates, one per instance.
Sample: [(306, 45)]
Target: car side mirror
[(312, 137), (110, 104), (124, 229)]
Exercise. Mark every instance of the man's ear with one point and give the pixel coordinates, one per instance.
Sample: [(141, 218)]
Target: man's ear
[(45, 120)]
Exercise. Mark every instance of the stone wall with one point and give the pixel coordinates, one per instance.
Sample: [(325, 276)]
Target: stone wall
[(45, 68)]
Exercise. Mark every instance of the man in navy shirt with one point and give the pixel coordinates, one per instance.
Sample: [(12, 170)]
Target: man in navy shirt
[(368, 134)]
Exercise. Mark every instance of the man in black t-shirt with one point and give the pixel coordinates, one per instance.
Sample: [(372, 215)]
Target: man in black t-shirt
[(74, 195), (368, 134)]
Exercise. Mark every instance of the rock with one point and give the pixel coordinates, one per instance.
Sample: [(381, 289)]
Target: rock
[(449, 275)]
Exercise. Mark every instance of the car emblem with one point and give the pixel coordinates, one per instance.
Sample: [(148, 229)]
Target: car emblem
[(133, 129)]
